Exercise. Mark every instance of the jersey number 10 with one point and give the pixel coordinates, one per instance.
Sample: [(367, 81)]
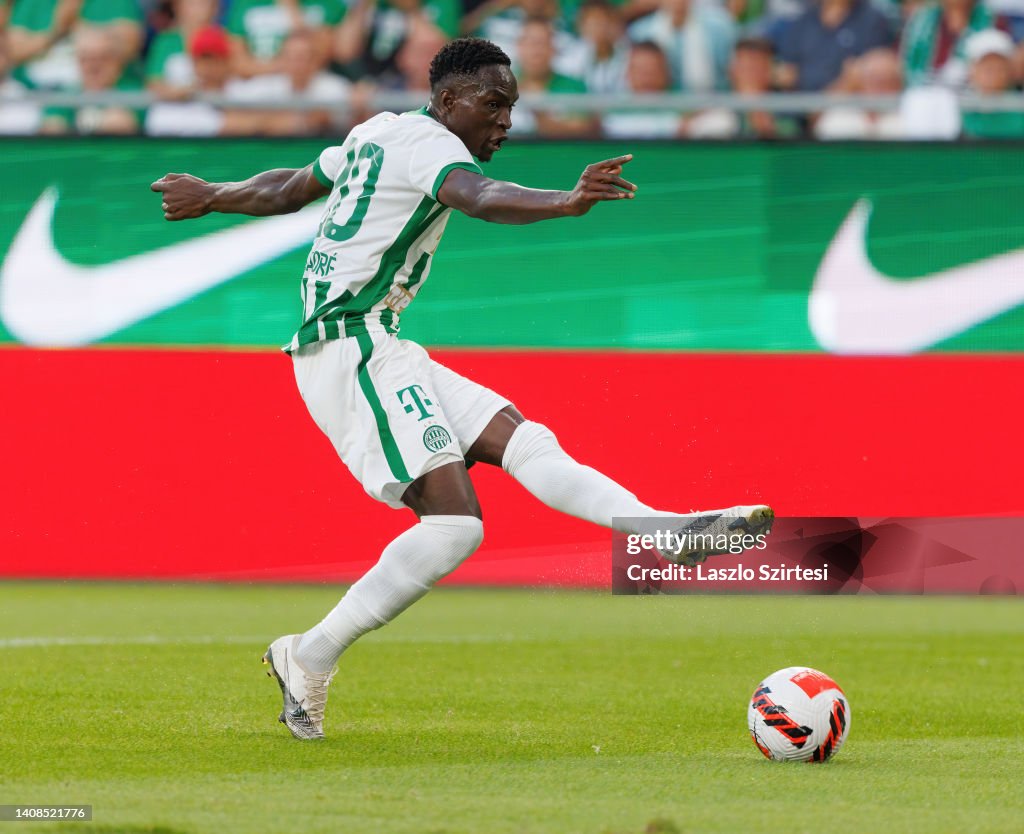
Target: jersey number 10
[(374, 156)]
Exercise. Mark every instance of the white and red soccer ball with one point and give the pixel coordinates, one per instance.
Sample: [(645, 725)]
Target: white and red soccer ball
[(798, 715)]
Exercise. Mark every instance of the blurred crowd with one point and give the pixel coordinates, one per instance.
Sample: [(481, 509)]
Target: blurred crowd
[(332, 51)]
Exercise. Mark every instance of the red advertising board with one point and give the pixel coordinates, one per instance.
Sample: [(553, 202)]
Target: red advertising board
[(205, 465)]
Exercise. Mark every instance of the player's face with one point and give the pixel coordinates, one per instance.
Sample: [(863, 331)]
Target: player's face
[(481, 113)]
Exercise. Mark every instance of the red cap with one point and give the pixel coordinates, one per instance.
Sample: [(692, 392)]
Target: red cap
[(210, 42)]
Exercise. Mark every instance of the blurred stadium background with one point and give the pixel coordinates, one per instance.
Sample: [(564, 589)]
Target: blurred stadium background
[(669, 69)]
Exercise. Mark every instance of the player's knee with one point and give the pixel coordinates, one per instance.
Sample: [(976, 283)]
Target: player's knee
[(529, 441), (470, 534), (458, 537)]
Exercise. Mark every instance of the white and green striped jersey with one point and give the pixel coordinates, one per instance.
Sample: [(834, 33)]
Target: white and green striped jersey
[(381, 225)]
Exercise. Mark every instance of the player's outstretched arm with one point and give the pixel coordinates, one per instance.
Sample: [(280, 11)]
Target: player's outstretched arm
[(280, 191), (506, 202)]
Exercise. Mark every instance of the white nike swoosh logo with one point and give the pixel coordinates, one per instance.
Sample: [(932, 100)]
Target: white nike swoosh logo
[(854, 308), (45, 300)]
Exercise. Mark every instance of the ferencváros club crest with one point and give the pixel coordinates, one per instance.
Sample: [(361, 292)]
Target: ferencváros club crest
[(436, 438)]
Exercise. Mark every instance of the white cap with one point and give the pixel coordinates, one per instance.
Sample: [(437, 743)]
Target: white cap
[(988, 42)]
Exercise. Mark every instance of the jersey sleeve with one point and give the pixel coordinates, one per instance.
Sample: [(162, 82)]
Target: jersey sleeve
[(328, 165), (434, 158)]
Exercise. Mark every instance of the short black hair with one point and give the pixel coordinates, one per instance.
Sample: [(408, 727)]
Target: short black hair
[(465, 57)]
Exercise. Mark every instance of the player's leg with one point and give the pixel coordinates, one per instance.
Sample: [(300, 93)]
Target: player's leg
[(374, 401), (448, 532), (531, 454)]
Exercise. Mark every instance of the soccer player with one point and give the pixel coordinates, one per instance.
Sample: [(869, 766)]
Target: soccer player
[(404, 425)]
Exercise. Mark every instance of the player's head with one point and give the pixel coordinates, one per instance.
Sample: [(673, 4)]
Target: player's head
[(472, 91)]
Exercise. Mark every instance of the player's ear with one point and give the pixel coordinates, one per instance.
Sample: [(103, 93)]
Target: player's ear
[(446, 100)]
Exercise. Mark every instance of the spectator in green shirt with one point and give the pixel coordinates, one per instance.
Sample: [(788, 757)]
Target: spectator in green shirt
[(301, 78), (536, 74), (935, 37), (101, 69), (170, 72), (501, 22), (259, 27), (17, 117), (39, 32), (989, 54), (210, 51), (368, 39)]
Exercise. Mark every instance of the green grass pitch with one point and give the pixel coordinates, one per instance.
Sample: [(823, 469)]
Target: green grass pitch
[(493, 711)]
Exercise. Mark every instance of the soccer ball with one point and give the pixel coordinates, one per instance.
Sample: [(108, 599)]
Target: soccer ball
[(798, 715)]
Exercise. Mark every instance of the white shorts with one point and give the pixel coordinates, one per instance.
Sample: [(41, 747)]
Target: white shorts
[(392, 412)]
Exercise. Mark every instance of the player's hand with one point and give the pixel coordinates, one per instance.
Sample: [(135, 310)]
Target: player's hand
[(600, 182), (185, 196)]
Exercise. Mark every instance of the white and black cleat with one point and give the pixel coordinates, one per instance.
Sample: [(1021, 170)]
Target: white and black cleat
[(716, 532), (304, 692)]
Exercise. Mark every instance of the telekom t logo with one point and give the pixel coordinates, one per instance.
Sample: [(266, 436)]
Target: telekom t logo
[(419, 400)]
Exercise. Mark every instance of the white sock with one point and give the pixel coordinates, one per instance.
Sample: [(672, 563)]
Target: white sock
[(406, 570), (534, 458)]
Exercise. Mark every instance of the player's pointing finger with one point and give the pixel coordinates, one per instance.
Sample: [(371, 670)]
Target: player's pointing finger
[(617, 162)]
